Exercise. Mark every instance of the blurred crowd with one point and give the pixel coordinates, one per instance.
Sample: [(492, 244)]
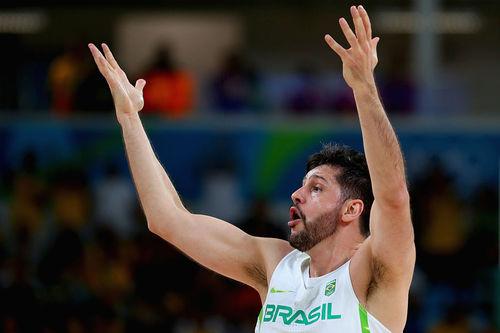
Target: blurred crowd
[(68, 82), (76, 256)]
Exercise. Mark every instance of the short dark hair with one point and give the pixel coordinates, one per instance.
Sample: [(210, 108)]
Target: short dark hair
[(353, 177)]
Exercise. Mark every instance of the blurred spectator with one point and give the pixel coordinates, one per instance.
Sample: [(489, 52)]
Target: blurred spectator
[(65, 73), (342, 101), (454, 321), (168, 90), (398, 94), (71, 198), (306, 97), (108, 272), (62, 258), (19, 309), (33, 86), (442, 223), (115, 203), (236, 86), (27, 206), (9, 67), (220, 193), (92, 93), (484, 233), (397, 89), (258, 222)]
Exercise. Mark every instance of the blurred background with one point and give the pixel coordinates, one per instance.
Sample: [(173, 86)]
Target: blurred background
[(238, 95)]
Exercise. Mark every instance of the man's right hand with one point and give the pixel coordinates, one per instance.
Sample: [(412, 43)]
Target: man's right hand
[(128, 99)]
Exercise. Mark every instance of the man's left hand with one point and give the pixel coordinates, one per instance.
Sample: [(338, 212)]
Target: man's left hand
[(360, 59)]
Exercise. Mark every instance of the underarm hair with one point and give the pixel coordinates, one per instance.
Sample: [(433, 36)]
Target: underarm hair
[(257, 274), (378, 272)]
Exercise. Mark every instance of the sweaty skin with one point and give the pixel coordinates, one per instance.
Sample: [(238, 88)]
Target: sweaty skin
[(381, 265)]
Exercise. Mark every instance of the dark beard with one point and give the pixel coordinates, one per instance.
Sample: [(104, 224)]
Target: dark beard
[(315, 232)]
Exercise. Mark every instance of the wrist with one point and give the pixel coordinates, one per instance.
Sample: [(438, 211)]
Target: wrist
[(368, 88), (128, 119)]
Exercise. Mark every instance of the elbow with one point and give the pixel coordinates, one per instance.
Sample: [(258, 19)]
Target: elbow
[(166, 225), (159, 228), (396, 198), (156, 220), (153, 226), (402, 197)]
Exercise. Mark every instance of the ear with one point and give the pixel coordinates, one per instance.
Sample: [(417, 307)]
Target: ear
[(352, 210)]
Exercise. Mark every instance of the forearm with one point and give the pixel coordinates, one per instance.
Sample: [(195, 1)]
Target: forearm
[(170, 186), (156, 193), (382, 150), (157, 199)]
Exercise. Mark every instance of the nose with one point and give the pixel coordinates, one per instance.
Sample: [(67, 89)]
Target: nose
[(297, 197)]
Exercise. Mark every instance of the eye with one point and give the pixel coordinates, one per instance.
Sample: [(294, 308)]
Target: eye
[(316, 189)]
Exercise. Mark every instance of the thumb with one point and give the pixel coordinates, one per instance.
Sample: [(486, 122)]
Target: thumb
[(139, 84), (375, 42)]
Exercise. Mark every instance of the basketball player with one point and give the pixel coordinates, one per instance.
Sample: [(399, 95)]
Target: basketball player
[(350, 222)]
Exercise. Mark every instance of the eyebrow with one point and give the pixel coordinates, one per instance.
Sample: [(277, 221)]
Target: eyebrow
[(315, 176)]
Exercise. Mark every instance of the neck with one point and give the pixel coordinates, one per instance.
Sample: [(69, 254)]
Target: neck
[(334, 251)]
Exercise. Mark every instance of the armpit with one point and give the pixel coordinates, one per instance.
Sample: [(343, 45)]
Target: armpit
[(257, 274), (378, 274)]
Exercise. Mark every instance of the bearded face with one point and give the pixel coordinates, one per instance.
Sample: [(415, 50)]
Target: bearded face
[(316, 230)]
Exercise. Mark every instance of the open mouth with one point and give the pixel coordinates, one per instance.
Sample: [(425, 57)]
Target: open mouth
[(295, 214)]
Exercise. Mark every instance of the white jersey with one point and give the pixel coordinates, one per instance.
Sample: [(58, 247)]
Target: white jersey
[(297, 303)]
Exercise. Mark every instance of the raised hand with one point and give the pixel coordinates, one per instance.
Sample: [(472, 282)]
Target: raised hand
[(128, 99), (358, 61)]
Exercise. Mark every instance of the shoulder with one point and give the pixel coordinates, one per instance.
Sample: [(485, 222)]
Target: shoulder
[(380, 288), (272, 251)]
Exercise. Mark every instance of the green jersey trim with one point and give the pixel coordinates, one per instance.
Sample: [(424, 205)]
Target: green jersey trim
[(275, 291), (363, 318), (260, 317)]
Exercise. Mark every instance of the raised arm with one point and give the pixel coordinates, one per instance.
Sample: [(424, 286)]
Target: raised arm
[(383, 266), (390, 223), (213, 243)]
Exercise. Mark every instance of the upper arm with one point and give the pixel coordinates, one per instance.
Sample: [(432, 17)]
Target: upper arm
[(224, 248), (392, 238), (382, 268)]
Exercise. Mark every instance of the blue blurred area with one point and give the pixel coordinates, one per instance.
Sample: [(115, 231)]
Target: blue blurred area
[(191, 149)]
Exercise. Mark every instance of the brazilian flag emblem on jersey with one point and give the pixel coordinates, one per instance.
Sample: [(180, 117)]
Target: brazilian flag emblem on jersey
[(330, 287)]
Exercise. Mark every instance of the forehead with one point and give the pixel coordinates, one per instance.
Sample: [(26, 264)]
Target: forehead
[(324, 172)]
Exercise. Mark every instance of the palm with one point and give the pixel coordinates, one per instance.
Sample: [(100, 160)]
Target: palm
[(352, 75), (128, 94), (127, 98)]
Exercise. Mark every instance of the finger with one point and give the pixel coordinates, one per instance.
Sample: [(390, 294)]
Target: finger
[(359, 27), (139, 84), (113, 62), (337, 48), (101, 62), (349, 35), (366, 22), (109, 56), (374, 43)]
